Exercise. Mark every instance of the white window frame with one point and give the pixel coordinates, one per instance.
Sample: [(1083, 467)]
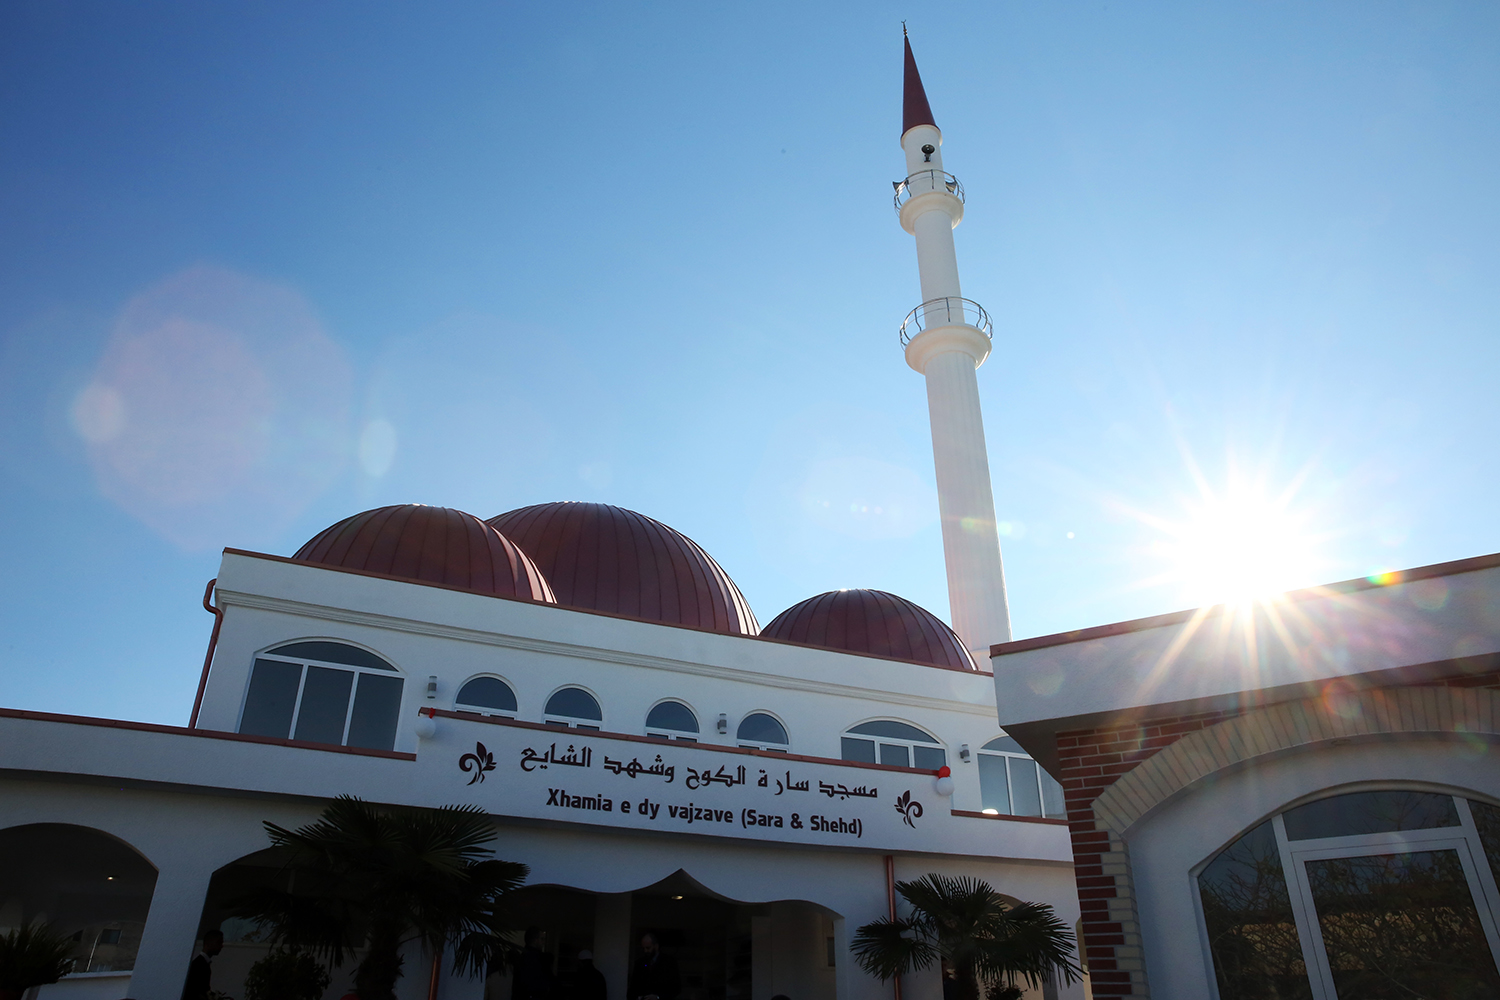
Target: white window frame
[(1010, 782), (498, 713), (1464, 839), (755, 744), (879, 741), (304, 663), (573, 721), (679, 735)]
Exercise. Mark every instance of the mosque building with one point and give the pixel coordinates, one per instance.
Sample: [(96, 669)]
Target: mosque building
[(1294, 799), (597, 683)]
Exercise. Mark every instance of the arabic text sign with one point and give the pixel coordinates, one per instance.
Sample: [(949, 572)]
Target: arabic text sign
[(578, 776)]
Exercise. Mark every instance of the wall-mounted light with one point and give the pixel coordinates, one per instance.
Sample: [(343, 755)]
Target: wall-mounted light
[(723, 723), (927, 150), (963, 752), (432, 687)]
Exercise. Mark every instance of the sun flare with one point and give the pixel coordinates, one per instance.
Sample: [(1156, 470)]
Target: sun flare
[(1239, 545)]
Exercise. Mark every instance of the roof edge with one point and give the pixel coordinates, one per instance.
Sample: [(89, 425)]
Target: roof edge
[(1362, 583)]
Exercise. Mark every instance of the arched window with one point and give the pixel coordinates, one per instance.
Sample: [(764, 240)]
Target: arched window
[(486, 696), (575, 708), (1011, 783), (323, 692), (1375, 893), (763, 731), (898, 743), (674, 721)]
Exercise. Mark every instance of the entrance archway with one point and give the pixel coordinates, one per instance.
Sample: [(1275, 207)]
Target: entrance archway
[(724, 949), (86, 884)]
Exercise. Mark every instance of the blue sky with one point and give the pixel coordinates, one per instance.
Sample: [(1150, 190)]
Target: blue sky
[(1240, 257)]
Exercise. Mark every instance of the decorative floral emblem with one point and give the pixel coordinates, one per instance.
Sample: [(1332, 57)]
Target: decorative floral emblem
[(481, 760), (908, 809)]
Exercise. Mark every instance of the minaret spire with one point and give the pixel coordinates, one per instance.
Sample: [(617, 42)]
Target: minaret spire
[(946, 338), (914, 107)]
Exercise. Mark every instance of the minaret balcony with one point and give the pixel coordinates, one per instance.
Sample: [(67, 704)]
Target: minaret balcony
[(947, 311), (926, 190)]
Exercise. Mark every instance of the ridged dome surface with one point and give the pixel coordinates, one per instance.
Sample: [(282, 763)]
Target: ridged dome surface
[(873, 622), (611, 559), (430, 545)]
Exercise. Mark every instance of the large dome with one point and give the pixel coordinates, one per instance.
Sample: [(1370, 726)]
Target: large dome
[(873, 622), (610, 559), (430, 545)]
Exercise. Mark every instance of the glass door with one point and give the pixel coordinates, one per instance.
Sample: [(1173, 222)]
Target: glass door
[(1396, 924)]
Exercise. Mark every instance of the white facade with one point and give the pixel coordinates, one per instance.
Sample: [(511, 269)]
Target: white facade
[(192, 801)]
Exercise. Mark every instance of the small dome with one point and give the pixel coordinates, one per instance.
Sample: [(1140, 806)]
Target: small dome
[(873, 622), (430, 545), (611, 559)]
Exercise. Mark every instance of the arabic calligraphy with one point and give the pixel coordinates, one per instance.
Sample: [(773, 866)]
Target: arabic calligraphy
[(531, 760), (635, 767), (706, 777), (845, 792), (480, 761)]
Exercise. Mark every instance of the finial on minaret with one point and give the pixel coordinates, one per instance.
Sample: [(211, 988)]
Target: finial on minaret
[(914, 107)]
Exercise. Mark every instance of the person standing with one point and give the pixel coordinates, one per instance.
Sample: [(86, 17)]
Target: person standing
[(655, 975), (200, 970), (587, 982), (534, 971)]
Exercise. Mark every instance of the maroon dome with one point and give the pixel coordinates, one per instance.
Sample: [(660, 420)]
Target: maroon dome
[(431, 545), (610, 559), (874, 622)]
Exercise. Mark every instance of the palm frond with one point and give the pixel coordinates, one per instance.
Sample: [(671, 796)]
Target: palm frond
[(887, 948)]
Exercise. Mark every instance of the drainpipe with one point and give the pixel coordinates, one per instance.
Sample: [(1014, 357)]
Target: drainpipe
[(208, 658), (890, 901)]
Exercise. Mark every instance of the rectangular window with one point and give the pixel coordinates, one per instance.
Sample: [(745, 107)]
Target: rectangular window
[(891, 754), (930, 758), (860, 750), (325, 705), (377, 703), (1025, 794), (994, 784), (832, 953), (1053, 805), (272, 699)]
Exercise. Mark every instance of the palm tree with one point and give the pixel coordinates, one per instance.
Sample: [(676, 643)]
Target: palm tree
[(32, 955), (983, 939), (378, 877)]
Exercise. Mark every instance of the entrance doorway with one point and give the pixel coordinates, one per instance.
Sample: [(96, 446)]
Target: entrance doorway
[(723, 949)]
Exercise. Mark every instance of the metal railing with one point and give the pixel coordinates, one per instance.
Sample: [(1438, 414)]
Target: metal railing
[(924, 181), (947, 311)]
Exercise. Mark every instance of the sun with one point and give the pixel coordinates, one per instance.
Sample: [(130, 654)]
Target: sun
[(1238, 544)]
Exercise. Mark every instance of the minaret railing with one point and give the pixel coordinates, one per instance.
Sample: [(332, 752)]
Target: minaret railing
[(924, 181), (947, 311)]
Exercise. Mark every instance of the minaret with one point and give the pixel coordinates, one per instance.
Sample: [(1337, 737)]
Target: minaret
[(946, 338)]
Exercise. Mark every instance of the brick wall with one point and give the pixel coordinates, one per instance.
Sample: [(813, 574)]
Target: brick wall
[(1092, 760)]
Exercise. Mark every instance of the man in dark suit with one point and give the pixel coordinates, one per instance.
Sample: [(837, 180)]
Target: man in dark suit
[(655, 975), (200, 971)]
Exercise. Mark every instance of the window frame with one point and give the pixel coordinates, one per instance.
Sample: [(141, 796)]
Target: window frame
[(1464, 839), (498, 713), (758, 745), (675, 735), (1010, 798), (305, 664), (880, 742), (573, 721)]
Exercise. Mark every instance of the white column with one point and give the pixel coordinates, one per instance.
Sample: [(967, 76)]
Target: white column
[(171, 932), (612, 941), (971, 542)]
